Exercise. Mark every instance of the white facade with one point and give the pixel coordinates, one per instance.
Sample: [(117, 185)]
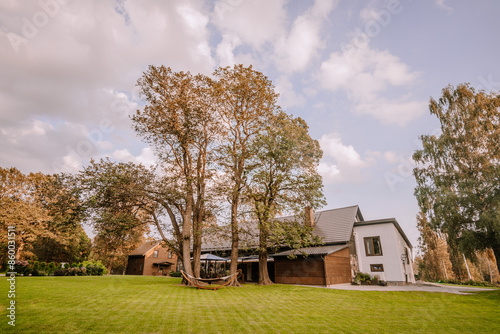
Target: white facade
[(395, 264)]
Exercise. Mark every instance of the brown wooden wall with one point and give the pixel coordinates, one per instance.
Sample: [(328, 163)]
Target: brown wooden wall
[(149, 268), (338, 267), (308, 271), (135, 265), (143, 265)]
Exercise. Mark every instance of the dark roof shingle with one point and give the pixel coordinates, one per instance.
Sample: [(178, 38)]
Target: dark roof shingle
[(144, 248)]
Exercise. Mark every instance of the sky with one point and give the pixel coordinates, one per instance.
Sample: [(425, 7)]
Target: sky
[(360, 73)]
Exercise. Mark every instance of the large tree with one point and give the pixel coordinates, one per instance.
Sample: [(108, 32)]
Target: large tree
[(458, 171), (180, 122), (285, 180), (123, 202), (246, 102), (46, 213)]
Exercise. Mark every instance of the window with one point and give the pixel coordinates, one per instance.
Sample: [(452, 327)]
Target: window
[(170, 255), (155, 253), (376, 267), (373, 246)]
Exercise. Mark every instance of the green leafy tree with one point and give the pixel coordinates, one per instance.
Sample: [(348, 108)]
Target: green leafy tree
[(285, 180), (458, 171), (246, 102), (119, 207)]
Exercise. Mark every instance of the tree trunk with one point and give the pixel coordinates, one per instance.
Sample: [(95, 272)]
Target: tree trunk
[(235, 238), (186, 240), (196, 250), (263, 273)]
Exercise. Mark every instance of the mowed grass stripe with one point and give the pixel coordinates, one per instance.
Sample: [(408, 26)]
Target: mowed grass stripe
[(136, 304)]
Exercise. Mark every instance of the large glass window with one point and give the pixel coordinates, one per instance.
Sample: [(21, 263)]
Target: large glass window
[(373, 246), (155, 253)]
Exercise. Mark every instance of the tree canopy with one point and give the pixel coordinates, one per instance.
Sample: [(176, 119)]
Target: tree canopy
[(458, 171)]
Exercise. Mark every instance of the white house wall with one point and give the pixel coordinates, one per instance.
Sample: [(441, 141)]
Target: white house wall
[(393, 246)]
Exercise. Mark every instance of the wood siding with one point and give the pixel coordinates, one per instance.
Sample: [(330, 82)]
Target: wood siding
[(314, 270), (144, 265), (135, 265), (308, 271), (338, 267)]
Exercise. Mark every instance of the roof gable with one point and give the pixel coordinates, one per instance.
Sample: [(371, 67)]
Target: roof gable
[(144, 248), (387, 221), (335, 226)]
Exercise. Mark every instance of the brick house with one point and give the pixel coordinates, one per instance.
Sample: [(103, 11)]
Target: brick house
[(151, 258)]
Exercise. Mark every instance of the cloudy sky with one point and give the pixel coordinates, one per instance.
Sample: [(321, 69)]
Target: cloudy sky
[(359, 72)]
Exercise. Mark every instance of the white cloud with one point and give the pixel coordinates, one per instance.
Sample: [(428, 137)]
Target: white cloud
[(225, 49), (288, 97), (146, 157), (295, 51), (341, 163), (252, 22), (365, 75)]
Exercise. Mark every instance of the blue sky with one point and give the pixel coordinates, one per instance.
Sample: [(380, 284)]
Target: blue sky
[(359, 72)]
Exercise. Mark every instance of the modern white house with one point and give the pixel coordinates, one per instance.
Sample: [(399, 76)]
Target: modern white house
[(382, 249)]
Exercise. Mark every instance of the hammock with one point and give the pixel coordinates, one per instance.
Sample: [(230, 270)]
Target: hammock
[(206, 283)]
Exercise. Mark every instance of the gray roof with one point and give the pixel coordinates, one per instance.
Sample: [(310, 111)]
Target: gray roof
[(321, 250), (144, 248), (333, 226), (386, 221)]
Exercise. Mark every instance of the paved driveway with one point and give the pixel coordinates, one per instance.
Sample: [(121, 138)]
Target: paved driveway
[(425, 287)]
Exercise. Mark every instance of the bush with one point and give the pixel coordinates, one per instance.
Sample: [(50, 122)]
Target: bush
[(43, 265), (362, 277), (36, 265), (95, 268), (61, 272), (23, 268), (38, 273), (50, 268), (175, 274)]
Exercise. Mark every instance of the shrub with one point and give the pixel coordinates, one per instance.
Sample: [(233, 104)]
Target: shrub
[(95, 268), (22, 267), (50, 268), (43, 265), (363, 277), (38, 273), (36, 265), (175, 274), (73, 265), (61, 272)]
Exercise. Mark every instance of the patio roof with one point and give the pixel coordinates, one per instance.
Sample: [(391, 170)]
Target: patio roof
[(321, 250)]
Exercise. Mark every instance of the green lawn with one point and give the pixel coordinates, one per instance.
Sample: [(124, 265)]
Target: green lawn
[(135, 304)]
